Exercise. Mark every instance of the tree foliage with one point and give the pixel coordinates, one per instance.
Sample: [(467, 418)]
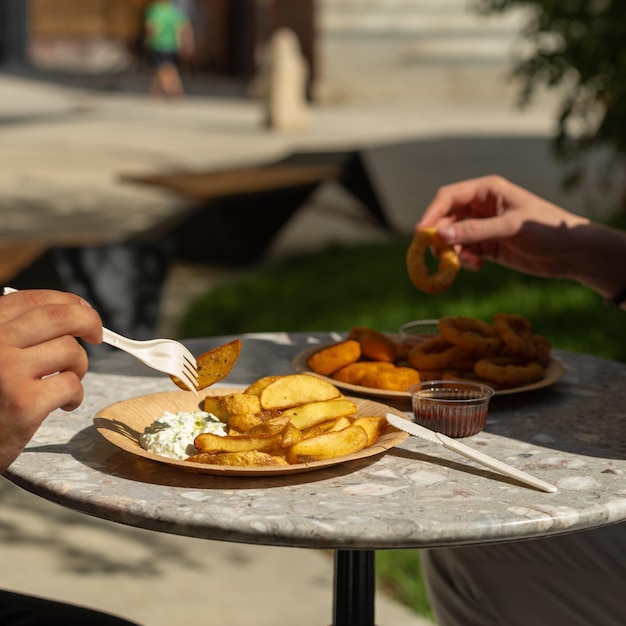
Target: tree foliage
[(581, 46)]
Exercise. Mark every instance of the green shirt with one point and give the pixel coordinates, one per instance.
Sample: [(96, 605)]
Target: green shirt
[(164, 21)]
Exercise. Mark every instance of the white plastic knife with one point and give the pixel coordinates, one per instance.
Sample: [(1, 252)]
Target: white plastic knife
[(430, 435)]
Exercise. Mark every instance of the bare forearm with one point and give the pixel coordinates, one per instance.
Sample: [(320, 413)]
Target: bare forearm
[(599, 259)]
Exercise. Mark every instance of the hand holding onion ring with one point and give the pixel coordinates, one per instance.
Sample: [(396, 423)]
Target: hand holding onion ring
[(419, 273)]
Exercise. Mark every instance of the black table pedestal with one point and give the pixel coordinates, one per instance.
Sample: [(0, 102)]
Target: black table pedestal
[(354, 588)]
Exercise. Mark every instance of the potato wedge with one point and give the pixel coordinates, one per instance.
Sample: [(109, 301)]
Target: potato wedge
[(211, 404), (243, 422), (239, 459), (234, 403), (328, 445), (334, 424), (214, 365), (295, 389), (208, 442), (373, 425), (258, 385), (291, 436), (272, 426), (312, 413)]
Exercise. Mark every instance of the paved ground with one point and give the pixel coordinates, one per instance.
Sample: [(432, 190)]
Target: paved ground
[(61, 152)]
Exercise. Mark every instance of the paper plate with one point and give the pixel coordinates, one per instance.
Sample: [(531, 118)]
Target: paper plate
[(553, 372), (122, 424)]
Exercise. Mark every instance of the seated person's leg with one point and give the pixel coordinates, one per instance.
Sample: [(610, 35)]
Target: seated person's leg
[(578, 579), (21, 610)]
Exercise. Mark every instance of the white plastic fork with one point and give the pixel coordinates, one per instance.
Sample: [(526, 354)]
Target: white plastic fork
[(163, 355)]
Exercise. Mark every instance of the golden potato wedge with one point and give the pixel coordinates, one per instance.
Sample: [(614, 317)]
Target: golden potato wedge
[(258, 385), (211, 404), (295, 389), (328, 445), (291, 435), (373, 425), (243, 422), (239, 459), (208, 442), (341, 423), (214, 365), (272, 426), (312, 413), (234, 403), (334, 424)]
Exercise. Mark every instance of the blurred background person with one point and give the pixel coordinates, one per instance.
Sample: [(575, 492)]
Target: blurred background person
[(169, 39)]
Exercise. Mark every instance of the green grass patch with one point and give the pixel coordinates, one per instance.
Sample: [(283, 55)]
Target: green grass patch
[(398, 574), (367, 285)]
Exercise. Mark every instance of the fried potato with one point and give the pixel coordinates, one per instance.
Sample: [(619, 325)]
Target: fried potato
[(258, 385), (330, 359), (296, 389), (239, 459), (243, 422), (211, 404), (214, 365), (312, 413), (291, 436), (208, 442), (331, 425), (324, 427), (272, 426), (353, 373), (373, 425), (235, 403), (328, 445)]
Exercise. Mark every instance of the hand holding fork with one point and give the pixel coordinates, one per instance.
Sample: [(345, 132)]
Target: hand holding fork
[(163, 355)]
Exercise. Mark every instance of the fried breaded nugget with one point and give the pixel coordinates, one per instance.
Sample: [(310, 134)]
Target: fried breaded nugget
[(330, 359), (353, 373), (375, 345), (396, 379)]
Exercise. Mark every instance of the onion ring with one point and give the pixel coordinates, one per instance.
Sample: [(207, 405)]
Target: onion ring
[(434, 354), (419, 273), (543, 347), (515, 332), (475, 336), (508, 372)]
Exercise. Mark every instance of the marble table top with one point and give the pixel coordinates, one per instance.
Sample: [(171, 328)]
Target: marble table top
[(571, 434)]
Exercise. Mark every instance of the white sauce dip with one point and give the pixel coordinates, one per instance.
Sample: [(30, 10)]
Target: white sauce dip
[(172, 434)]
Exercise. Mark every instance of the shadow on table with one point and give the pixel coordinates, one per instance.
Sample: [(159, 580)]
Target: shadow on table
[(91, 449)]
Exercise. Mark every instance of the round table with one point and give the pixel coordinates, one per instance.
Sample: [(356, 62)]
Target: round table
[(571, 434)]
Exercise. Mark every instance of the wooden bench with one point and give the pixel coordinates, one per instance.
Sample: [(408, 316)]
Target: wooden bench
[(247, 206)]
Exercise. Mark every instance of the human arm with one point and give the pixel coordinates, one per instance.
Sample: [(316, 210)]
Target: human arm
[(41, 363), (491, 218)]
